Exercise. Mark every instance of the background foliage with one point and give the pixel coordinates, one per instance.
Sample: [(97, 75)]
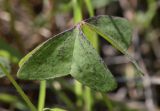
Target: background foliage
[(26, 23)]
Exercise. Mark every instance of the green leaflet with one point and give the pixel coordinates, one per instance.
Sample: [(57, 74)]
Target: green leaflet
[(67, 53), (116, 31), (88, 67), (112, 29), (71, 53), (51, 59), (5, 62)]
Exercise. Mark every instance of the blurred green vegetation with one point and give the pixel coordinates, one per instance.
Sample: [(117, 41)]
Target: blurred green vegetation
[(26, 23)]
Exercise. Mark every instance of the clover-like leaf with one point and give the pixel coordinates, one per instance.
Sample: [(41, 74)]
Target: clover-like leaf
[(67, 53), (71, 53), (88, 67), (51, 59), (117, 31)]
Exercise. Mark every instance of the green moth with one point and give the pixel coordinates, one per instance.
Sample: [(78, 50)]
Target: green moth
[(70, 52)]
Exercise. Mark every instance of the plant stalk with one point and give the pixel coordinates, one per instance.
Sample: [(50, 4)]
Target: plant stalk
[(107, 101), (42, 95), (19, 89)]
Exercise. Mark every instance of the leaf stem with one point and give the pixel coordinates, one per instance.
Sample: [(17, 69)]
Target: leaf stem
[(88, 99), (19, 89), (42, 95), (107, 101), (77, 13), (89, 7)]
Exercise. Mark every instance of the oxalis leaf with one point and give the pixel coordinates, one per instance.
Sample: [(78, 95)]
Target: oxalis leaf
[(70, 52), (51, 59), (67, 53), (117, 31), (88, 68)]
